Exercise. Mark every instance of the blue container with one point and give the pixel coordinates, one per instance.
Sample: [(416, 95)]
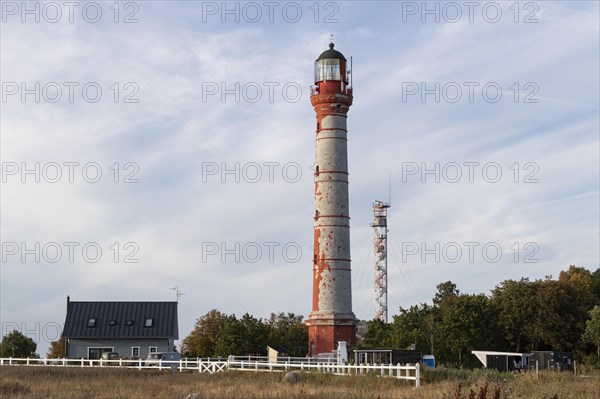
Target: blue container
[(429, 361)]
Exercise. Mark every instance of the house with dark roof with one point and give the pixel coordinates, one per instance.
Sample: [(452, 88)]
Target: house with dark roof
[(132, 329)]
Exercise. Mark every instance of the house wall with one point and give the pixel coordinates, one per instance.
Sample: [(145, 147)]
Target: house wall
[(78, 348)]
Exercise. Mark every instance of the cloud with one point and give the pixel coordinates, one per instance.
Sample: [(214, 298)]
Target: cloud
[(177, 129)]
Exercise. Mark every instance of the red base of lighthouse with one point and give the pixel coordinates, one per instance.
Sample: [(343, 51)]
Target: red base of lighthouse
[(323, 334)]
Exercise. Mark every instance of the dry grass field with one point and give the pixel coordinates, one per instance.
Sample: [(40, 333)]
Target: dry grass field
[(95, 383)]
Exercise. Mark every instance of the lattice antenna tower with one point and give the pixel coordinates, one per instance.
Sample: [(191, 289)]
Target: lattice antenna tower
[(380, 230)]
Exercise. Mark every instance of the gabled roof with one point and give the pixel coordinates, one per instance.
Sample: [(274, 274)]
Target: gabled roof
[(278, 348), (121, 320)]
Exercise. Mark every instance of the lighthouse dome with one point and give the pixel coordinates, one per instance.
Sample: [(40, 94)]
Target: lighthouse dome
[(331, 53)]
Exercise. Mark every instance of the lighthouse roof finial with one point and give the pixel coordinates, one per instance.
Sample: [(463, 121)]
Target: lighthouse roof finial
[(331, 53)]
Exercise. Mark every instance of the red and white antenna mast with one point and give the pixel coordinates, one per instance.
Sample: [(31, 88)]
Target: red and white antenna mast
[(380, 249)]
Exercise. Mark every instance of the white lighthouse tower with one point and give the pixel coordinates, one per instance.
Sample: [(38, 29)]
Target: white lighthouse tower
[(331, 319)]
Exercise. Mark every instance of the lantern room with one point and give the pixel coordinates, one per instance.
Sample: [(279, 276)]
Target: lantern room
[(331, 75), (331, 65)]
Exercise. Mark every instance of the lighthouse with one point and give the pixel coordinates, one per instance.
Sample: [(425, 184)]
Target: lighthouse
[(331, 319)]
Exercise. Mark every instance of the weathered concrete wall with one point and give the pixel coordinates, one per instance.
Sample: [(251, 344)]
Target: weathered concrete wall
[(331, 319)]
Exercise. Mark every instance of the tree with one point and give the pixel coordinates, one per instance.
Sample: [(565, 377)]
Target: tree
[(415, 325), (468, 323), (592, 329), (445, 292), (202, 341), (517, 307), (289, 331), (15, 344), (564, 307), (296, 339), (58, 349), (377, 335), (255, 335), (596, 284), (230, 340)]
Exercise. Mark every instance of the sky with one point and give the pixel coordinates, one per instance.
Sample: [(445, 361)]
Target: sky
[(148, 145)]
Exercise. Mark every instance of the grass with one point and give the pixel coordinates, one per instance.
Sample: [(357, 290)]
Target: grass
[(20, 382)]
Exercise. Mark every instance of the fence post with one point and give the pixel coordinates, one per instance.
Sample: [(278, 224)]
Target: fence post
[(417, 375)]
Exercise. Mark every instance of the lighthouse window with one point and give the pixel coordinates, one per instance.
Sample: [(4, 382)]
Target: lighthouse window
[(327, 69)]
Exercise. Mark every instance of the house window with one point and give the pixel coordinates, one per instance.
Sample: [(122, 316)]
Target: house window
[(153, 349), (135, 351), (129, 323), (91, 323), (96, 352), (112, 322), (148, 322)]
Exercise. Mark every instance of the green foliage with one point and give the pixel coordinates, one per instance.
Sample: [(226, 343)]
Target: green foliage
[(596, 285), (378, 334), (58, 349), (15, 344), (416, 325), (518, 316), (202, 341), (217, 334), (288, 330), (468, 322), (445, 292), (592, 330), (230, 340), (516, 304)]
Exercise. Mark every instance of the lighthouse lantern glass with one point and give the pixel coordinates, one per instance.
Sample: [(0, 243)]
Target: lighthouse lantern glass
[(327, 69)]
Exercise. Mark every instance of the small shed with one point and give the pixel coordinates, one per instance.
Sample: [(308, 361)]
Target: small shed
[(550, 360), (276, 352), (503, 361)]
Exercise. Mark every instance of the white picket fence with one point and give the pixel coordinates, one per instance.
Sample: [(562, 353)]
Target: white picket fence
[(211, 366)]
